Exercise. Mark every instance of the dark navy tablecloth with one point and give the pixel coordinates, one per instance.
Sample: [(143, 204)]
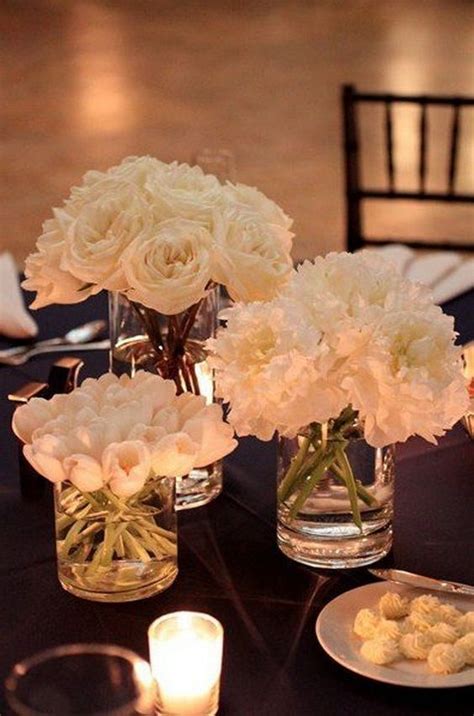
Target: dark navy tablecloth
[(230, 567)]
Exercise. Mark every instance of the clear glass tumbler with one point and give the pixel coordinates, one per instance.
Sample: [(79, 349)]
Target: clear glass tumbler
[(84, 680)]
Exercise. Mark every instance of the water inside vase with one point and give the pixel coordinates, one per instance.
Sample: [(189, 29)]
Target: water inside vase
[(117, 553)]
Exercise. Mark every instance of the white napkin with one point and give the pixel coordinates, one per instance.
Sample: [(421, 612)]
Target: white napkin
[(447, 273), (15, 321)]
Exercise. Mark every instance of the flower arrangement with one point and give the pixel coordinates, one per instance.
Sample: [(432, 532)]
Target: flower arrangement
[(163, 235), (109, 447), (112, 434), (346, 341)]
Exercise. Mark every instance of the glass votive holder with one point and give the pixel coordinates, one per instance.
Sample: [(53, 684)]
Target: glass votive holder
[(84, 680), (186, 662)]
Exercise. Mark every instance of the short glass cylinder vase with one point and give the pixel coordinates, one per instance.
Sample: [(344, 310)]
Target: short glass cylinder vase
[(172, 347), (335, 496), (115, 549)]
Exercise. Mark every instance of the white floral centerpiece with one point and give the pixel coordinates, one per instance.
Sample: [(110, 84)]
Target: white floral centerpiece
[(113, 448), (347, 349), (162, 239), (162, 235)]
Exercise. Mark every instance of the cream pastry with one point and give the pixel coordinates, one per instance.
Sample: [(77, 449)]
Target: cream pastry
[(446, 659), (380, 651)]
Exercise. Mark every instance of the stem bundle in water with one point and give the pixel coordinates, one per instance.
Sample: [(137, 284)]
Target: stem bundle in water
[(322, 455), (173, 361), (96, 530)]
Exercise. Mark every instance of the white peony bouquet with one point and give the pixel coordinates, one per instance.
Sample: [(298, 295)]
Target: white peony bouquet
[(346, 330), (116, 433), (162, 234), (348, 343)]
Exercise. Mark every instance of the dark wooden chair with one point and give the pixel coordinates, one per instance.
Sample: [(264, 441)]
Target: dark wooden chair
[(356, 194)]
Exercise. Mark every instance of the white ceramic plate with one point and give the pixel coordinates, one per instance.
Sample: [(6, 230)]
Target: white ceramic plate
[(334, 632)]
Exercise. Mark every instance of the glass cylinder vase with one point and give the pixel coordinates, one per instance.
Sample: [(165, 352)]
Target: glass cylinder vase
[(116, 549), (173, 347), (335, 495)]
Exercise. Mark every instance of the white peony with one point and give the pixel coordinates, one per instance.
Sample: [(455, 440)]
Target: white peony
[(345, 330), (169, 267), (118, 432)]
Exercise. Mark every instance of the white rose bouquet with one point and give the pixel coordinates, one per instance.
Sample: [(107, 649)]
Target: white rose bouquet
[(163, 235), (347, 340), (107, 446)]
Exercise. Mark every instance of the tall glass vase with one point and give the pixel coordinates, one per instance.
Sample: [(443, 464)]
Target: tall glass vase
[(115, 549), (335, 495), (173, 347)]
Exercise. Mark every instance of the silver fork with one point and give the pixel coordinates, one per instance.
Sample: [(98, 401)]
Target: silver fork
[(22, 358)]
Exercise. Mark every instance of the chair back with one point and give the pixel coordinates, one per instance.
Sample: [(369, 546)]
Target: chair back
[(356, 194)]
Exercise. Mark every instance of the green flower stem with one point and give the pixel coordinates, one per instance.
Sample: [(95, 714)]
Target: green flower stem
[(114, 500), (120, 548), (293, 473), (155, 544), (363, 494), (167, 534), (135, 547), (351, 485), (305, 471), (72, 535), (311, 483)]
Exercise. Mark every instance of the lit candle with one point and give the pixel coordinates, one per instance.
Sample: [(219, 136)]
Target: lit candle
[(186, 659)]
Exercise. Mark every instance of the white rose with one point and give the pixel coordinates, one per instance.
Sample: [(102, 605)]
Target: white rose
[(250, 259), (184, 192), (169, 270), (101, 232), (45, 275), (256, 200), (174, 455), (135, 170), (84, 472), (126, 467)]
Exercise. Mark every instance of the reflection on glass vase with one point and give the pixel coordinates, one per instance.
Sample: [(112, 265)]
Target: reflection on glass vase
[(335, 495), (116, 549), (173, 347)]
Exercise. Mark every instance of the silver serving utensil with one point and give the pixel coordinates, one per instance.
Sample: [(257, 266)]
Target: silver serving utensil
[(22, 358), (417, 580), (81, 334)]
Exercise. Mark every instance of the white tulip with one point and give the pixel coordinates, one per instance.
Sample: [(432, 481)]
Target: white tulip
[(126, 467), (214, 437), (121, 431), (174, 455), (84, 472), (46, 455)]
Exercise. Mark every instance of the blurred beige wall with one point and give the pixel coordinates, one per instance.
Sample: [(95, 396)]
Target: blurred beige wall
[(87, 82)]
